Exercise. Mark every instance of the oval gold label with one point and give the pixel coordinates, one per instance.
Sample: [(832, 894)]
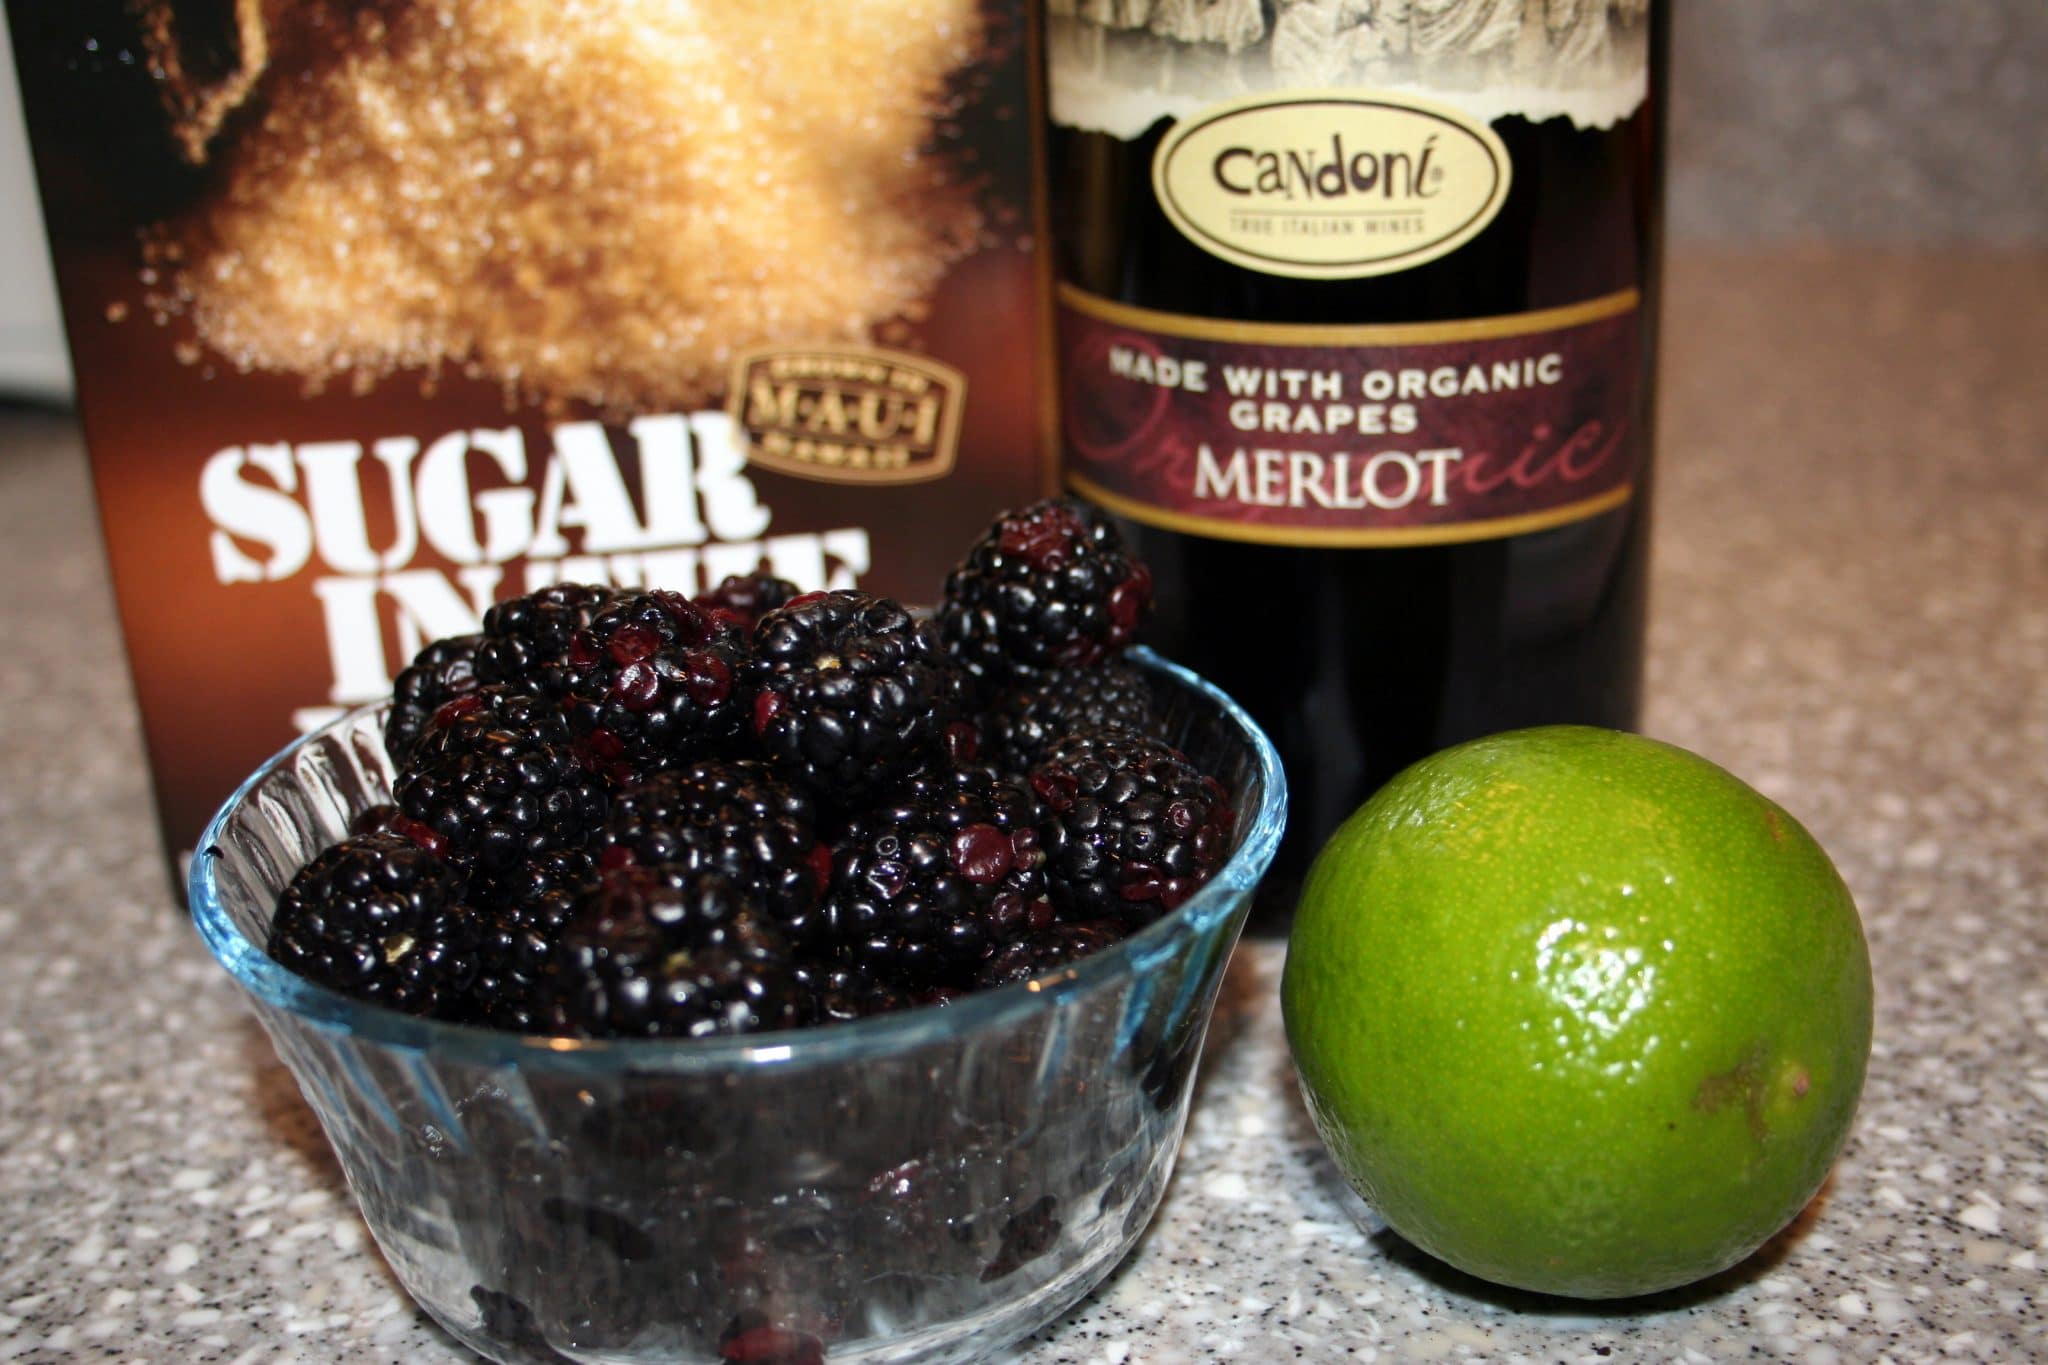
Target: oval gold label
[(1330, 184), (848, 413)]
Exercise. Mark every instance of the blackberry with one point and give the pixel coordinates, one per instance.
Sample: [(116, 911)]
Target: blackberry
[(746, 598), (902, 911), (952, 796), (652, 681), (733, 818), (495, 777), (526, 639), (437, 674), (1045, 589), (838, 991), (523, 913), (1025, 722), (745, 790), (854, 693), (381, 919), (549, 883), (1134, 828), (930, 885), (659, 952), (1039, 952)]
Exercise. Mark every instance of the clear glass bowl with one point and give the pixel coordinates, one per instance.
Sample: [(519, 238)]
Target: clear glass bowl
[(923, 1186)]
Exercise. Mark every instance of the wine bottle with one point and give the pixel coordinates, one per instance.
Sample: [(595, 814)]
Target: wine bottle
[(1355, 307)]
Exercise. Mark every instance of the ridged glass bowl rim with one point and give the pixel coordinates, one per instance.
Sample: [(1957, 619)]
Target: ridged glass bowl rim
[(1140, 955)]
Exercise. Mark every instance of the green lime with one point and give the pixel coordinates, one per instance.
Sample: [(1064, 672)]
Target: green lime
[(1577, 1011)]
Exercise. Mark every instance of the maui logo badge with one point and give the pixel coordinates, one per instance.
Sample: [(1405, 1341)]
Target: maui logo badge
[(1331, 184), (848, 414)]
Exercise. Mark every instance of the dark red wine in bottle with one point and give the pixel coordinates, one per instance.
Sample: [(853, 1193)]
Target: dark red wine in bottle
[(1356, 312)]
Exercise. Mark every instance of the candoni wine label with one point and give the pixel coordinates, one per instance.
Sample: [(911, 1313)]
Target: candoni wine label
[(1319, 141), (1330, 184)]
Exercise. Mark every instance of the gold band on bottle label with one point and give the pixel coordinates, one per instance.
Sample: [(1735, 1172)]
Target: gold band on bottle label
[(1348, 334)]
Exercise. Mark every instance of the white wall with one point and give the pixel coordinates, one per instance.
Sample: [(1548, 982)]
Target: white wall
[(33, 362)]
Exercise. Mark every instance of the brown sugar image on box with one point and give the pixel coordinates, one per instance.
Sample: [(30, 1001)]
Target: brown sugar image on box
[(594, 201)]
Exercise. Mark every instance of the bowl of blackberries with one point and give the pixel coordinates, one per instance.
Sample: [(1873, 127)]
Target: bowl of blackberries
[(769, 975)]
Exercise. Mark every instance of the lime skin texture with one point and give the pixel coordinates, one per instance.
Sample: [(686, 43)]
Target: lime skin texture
[(1577, 1011)]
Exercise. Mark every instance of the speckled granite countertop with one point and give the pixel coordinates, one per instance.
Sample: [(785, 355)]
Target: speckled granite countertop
[(1851, 610)]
